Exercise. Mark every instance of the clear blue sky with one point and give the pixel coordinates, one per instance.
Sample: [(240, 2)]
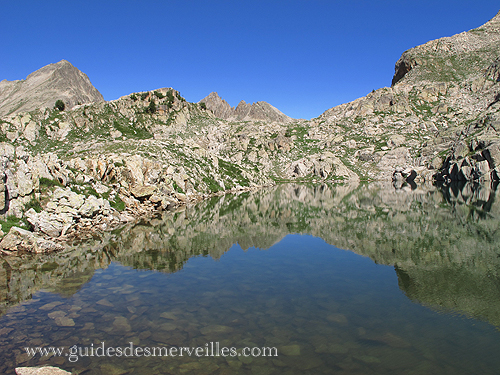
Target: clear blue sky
[(303, 57)]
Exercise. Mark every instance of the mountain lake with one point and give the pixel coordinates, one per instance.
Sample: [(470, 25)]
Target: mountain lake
[(294, 279)]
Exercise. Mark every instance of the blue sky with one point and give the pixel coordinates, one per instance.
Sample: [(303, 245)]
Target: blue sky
[(303, 57)]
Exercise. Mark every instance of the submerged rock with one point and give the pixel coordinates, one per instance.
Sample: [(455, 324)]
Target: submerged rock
[(290, 350)]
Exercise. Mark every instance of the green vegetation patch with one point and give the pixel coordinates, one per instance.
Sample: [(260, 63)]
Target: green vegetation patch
[(48, 183), (12, 221), (158, 94), (233, 172), (132, 131), (117, 204), (212, 185), (84, 189), (34, 204)]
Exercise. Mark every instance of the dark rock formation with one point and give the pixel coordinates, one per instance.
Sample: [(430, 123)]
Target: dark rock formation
[(403, 66)]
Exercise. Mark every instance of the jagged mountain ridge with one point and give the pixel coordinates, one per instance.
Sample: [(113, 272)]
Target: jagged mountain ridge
[(259, 111), (46, 85)]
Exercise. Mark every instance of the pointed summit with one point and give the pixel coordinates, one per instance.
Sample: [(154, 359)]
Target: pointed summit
[(59, 81), (219, 107)]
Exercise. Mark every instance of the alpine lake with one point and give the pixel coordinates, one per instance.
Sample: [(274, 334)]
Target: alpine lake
[(339, 279)]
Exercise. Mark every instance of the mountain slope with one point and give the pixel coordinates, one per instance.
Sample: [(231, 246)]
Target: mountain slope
[(443, 108), (43, 87), (451, 59)]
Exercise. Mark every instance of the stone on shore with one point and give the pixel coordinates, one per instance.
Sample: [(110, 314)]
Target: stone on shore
[(23, 240), (44, 370)]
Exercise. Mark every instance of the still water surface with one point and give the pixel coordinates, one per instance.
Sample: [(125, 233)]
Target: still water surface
[(418, 293)]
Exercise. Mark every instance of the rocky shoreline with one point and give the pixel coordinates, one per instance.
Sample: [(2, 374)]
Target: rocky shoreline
[(65, 215)]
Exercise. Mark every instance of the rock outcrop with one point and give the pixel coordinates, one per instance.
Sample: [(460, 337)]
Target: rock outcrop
[(218, 106), (442, 107), (59, 81), (465, 55)]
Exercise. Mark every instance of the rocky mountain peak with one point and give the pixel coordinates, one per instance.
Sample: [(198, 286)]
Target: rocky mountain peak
[(260, 111), (219, 107), (46, 85)]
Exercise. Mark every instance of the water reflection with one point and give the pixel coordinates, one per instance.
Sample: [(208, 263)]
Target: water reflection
[(444, 243)]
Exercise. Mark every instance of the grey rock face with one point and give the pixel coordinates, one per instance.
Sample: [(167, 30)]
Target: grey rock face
[(480, 167), (43, 87), (219, 107)]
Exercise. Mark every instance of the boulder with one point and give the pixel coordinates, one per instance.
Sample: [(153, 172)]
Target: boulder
[(45, 222), (39, 168), (31, 131), (142, 192), (23, 240), (44, 370), (2, 195), (76, 201), (395, 140), (10, 184), (399, 157), (483, 169), (492, 154), (7, 151), (168, 203), (460, 150), (298, 169), (134, 173), (91, 206), (23, 179)]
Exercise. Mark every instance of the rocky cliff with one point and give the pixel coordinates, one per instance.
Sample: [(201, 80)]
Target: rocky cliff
[(463, 57), (59, 81)]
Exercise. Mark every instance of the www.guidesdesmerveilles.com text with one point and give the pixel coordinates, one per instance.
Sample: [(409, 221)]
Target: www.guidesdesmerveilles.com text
[(211, 349)]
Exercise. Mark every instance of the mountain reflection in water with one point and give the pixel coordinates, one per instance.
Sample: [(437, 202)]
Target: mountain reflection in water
[(443, 243), (325, 310)]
